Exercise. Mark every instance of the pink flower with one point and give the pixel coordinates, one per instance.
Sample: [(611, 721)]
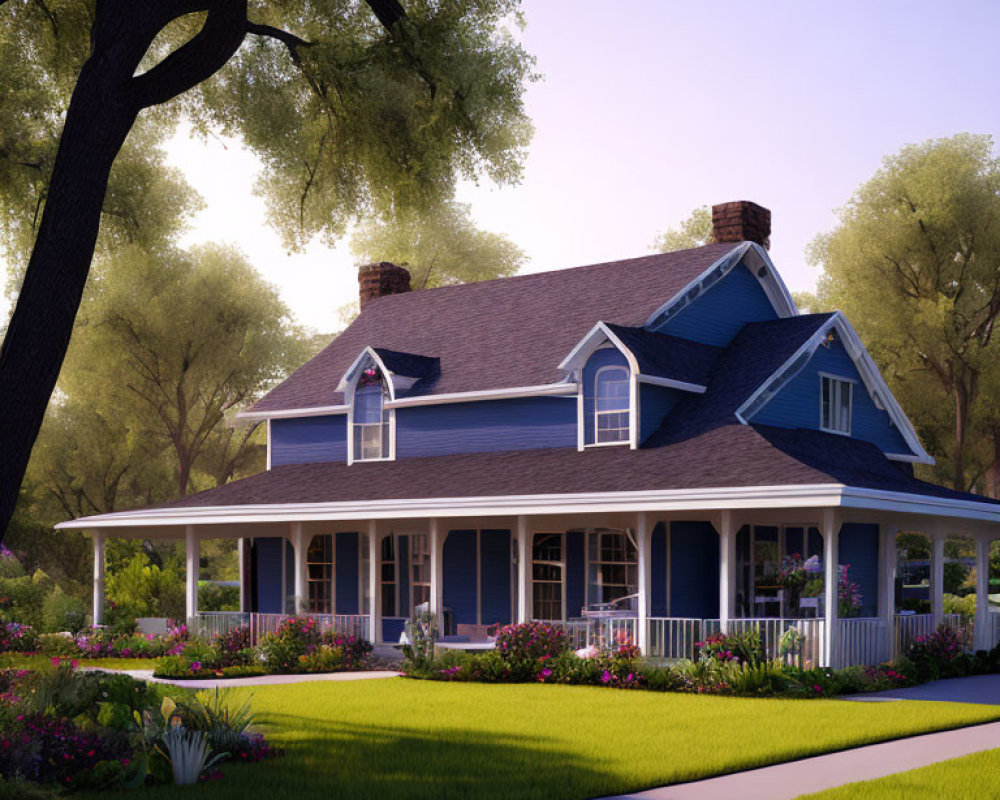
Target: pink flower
[(195, 666), (606, 677), (55, 661), (74, 663)]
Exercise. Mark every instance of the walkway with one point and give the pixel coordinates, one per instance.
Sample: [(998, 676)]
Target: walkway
[(796, 778), (260, 680), (982, 689)]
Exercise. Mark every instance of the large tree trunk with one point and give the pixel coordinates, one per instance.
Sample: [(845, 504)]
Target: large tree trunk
[(97, 123)]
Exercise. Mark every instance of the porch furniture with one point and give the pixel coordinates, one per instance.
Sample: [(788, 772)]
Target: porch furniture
[(761, 601), (815, 603)]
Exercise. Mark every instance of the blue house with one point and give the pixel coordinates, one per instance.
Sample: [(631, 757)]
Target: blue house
[(662, 447)]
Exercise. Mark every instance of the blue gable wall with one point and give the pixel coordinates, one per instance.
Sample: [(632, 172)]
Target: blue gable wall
[(717, 316), (655, 402), (308, 439), (797, 404), (602, 357), (486, 426)]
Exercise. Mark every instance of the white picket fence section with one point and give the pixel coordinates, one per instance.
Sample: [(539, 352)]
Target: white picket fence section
[(210, 624), (673, 637), (861, 640)]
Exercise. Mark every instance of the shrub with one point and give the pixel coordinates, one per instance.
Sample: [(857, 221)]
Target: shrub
[(213, 597), (21, 600), (57, 644), (141, 589), (936, 654), (530, 642), (743, 647), (62, 612), (322, 659), (17, 637), (234, 647)]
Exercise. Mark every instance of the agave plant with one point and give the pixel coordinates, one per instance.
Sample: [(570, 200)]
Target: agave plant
[(227, 726), (189, 754)]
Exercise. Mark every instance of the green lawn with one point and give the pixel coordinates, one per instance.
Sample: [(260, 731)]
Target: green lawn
[(21, 661), (968, 778), (399, 738)]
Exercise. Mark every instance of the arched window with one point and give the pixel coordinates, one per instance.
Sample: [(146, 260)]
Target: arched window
[(370, 417), (611, 404)]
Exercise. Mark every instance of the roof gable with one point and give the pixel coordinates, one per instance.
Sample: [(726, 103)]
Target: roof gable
[(498, 334)]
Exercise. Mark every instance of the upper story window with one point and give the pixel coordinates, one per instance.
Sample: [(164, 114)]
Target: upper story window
[(371, 418), (836, 395), (611, 405)]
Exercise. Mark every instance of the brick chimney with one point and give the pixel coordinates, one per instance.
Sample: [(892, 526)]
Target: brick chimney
[(378, 280), (741, 221)]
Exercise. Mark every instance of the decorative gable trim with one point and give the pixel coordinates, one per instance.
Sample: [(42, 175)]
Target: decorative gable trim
[(870, 376), (350, 376), (751, 255)]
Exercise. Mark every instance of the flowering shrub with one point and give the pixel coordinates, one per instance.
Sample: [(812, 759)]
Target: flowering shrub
[(530, 642), (742, 647), (940, 654), (100, 642), (849, 596), (17, 637)]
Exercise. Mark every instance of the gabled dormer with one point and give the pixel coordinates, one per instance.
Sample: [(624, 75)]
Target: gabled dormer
[(629, 379)]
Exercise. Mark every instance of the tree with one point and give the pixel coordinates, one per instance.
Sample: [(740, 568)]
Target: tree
[(350, 115), (440, 247), (695, 231), (915, 264)]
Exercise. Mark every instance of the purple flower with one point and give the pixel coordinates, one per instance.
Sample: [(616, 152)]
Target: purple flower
[(195, 666), (606, 677)]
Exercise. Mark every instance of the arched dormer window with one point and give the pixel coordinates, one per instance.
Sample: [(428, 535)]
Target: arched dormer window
[(370, 419), (606, 398)]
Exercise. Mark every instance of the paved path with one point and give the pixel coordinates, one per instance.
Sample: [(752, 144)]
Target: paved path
[(983, 689), (796, 778), (260, 680)]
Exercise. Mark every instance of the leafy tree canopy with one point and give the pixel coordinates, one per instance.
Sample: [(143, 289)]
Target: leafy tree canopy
[(695, 231)]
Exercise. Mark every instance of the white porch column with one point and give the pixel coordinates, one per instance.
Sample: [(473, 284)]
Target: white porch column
[(192, 551), (241, 557), (99, 570), (831, 583), (887, 583), (437, 570), (727, 570), (983, 630), (374, 584), (523, 569), (643, 535), (301, 569), (937, 576)]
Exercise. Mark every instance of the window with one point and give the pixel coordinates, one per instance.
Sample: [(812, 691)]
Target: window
[(370, 418), (388, 576), (612, 571), (420, 564), (611, 405), (547, 576), (319, 566), (835, 404)]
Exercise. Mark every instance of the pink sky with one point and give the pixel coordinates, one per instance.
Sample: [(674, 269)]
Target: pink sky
[(649, 109)]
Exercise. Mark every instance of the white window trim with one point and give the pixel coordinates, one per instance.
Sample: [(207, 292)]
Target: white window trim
[(577, 362), (628, 410), (849, 383)]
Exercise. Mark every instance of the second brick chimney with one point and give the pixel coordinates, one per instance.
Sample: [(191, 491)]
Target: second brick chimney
[(741, 221), (378, 280)]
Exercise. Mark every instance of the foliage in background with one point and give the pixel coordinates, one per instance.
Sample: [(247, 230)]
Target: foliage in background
[(695, 231), (142, 589), (913, 264)]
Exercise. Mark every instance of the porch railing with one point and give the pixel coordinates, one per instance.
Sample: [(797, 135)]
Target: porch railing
[(803, 646), (673, 637), (861, 640), (210, 624)]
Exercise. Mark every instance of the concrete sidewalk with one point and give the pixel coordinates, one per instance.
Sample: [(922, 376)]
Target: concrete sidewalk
[(260, 680), (982, 689), (793, 779)]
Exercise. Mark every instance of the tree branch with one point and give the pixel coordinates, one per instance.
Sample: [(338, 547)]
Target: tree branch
[(290, 40), (388, 12), (198, 59)]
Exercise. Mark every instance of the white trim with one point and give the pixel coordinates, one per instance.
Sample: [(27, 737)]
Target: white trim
[(355, 374), (564, 389), (269, 444), (849, 383), (754, 258), (908, 458), (670, 383), (628, 410), (291, 413), (700, 499), (870, 376)]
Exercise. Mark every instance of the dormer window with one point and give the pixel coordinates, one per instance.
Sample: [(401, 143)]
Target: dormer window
[(836, 395), (611, 405), (371, 419)]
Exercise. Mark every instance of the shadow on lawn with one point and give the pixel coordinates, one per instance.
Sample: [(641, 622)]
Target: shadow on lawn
[(347, 760)]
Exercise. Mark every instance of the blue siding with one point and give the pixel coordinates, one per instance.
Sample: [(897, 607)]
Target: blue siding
[(859, 549), (797, 404), (346, 567), (308, 439), (717, 316), (495, 577), (658, 572), (459, 571), (576, 573), (655, 402), (603, 357), (268, 573), (289, 600), (486, 426), (392, 627), (694, 570)]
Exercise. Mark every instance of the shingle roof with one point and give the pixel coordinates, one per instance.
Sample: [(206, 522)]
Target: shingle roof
[(728, 455), (665, 356), (502, 333), (758, 350)]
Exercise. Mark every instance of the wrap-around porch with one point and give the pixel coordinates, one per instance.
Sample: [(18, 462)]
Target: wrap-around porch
[(667, 580)]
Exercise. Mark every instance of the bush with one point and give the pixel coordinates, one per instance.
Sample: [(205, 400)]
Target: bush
[(21, 600), (62, 612), (528, 642), (213, 597), (743, 647), (141, 589), (57, 644), (936, 655), (16, 637)]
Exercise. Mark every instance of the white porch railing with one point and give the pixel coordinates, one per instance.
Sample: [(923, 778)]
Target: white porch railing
[(673, 637), (805, 647), (219, 623), (862, 640), (910, 627)]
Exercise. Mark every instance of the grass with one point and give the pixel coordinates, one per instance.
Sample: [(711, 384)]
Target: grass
[(407, 739), (22, 661), (967, 778)]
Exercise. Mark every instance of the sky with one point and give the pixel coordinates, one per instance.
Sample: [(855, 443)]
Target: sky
[(648, 109)]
